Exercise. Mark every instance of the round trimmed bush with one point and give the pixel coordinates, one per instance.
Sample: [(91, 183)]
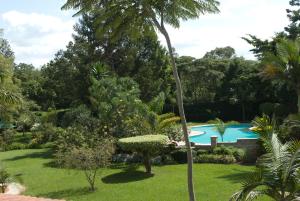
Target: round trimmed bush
[(146, 145)]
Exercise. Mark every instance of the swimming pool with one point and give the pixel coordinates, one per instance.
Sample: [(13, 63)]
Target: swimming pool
[(232, 133)]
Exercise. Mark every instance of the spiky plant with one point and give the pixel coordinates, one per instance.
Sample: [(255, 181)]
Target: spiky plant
[(277, 174)]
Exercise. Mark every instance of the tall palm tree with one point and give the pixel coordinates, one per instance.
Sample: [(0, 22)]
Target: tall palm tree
[(278, 172), (285, 64), (142, 16)]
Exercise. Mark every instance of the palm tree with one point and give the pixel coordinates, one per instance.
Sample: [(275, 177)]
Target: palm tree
[(221, 127), (277, 173), (7, 97), (142, 16), (285, 64)]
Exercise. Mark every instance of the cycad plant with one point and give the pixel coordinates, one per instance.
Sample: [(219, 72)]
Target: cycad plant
[(277, 174)]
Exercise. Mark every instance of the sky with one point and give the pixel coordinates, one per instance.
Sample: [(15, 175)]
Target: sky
[(37, 29)]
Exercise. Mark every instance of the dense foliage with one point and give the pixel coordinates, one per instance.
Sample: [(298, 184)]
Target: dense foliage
[(277, 172), (146, 145)]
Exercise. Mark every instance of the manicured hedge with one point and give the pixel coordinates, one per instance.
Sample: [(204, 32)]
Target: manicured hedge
[(146, 145), (212, 158), (150, 143)]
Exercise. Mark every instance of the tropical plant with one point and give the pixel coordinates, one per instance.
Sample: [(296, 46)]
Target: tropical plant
[(146, 145), (263, 126), (277, 174), (142, 17), (284, 64), (221, 127), (7, 96)]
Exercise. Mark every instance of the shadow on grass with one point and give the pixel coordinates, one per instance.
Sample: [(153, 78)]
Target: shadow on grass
[(42, 154), (126, 177), (238, 177), (66, 193)]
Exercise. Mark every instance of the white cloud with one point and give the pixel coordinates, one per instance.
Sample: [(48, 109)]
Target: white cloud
[(237, 19), (34, 37)]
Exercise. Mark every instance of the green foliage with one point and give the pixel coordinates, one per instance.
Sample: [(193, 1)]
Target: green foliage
[(80, 115), (220, 53), (17, 146), (149, 143), (238, 154), (4, 179), (123, 180), (30, 82), (290, 129), (277, 173), (221, 127), (9, 96), (146, 145), (284, 64), (89, 159), (174, 132), (45, 132), (180, 155), (6, 138), (212, 158), (263, 126)]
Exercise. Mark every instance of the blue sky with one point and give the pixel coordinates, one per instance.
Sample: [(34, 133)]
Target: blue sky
[(37, 29)]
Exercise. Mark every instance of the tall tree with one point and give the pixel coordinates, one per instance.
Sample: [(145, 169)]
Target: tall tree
[(141, 16)]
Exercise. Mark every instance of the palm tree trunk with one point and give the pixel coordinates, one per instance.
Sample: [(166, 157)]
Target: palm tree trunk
[(182, 116)]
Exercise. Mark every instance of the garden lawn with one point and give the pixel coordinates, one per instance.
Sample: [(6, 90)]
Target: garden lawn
[(212, 182)]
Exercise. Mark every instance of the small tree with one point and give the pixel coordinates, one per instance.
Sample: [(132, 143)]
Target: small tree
[(90, 159), (146, 145), (221, 127)]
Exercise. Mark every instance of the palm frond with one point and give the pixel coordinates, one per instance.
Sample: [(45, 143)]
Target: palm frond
[(167, 122), (7, 97)]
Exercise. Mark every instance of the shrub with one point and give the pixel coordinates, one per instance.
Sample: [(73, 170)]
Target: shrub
[(16, 146), (180, 155), (223, 150), (126, 158), (239, 154), (89, 159), (6, 138), (146, 145), (76, 116), (212, 158), (45, 133), (174, 132), (4, 179), (201, 151)]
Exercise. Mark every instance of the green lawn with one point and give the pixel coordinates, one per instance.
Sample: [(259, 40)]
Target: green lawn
[(212, 182)]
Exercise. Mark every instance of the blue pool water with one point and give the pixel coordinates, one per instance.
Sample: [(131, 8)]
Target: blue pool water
[(232, 133)]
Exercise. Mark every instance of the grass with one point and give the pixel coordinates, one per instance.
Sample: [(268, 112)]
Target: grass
[(212, 182)]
